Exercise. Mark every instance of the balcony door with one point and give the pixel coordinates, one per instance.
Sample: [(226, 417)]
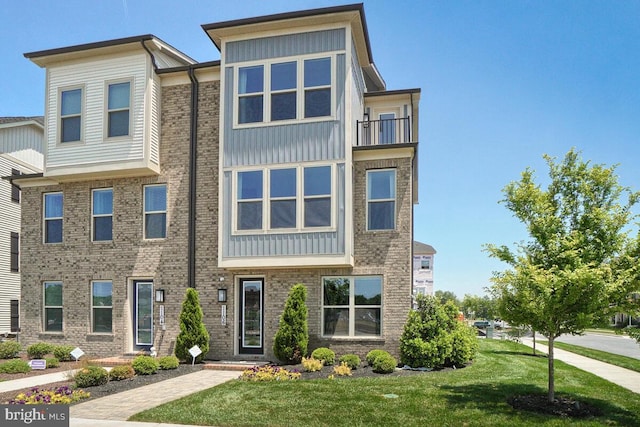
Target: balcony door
[(387, 128), (251, 318)]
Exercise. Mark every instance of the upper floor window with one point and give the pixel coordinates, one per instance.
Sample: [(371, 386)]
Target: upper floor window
[(118, 109), (15, 190), (53, 209), (352, 306), (381, 199), (52, 306), (15, 252), (278, 91), (282, 192), (102, 214), (249, 200), (101, 306), (71, 115), (155, 211), (317, 196)]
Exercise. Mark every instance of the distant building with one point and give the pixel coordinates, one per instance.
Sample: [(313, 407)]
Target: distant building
[(423, 268), (20, 153)]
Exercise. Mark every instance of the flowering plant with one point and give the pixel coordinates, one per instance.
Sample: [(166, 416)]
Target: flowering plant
[(60, 395), (268, 373)]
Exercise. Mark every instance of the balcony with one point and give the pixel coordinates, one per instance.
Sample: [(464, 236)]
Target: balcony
[(383, 132)]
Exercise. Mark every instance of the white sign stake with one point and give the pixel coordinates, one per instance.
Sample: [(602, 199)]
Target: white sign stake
[(195, 352)]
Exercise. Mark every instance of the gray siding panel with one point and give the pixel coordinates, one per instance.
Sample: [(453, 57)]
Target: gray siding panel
[(287, 45)]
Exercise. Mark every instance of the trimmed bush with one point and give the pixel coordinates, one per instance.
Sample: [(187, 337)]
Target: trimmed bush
[(168, 362), (465, 345), (384, 364), (373, 355), (63, 352), (145, 365), (292, 338), (9, 349), (192, 329), (91, 376), (325, 354), (121, 372), (52, 362), (351, 360), (342, 370), (15, 366), (311, 364), (39, 350)]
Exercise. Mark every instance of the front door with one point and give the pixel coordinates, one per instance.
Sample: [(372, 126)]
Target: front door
[(251, 316), (143, 313)]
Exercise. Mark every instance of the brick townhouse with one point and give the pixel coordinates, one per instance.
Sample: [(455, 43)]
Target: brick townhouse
[(286, 161)]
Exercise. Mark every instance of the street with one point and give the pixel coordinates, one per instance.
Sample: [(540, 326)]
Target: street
[(616, 344)]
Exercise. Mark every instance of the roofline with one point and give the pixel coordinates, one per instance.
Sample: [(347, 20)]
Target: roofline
[(89, 46), (23, 176), (393, 92), (183, 68), (30, 122), (359, 7)]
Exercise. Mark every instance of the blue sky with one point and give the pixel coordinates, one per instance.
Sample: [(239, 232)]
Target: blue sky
[(503, 82)]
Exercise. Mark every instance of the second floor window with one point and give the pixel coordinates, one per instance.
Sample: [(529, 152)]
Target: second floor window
[(102, 214), (52, 306), (15, 190), (317, 196), (249, 200), (381, 199), (118, 109), (155, 211), (53, 209), (15, 252), (71, 115)]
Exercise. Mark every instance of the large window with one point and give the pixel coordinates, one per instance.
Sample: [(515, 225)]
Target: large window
[(102, 214), (282, 192), (352, 306), (53, 306), (101, 306), (317, 196), (71, 115), (15, 252), (118, 115), (53, 208), (381, 199), (155, 211), (249, 200), (290, 90)]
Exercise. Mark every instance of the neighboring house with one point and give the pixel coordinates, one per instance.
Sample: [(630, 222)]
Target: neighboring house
[(287, 161), (423, 268), (20, 153)]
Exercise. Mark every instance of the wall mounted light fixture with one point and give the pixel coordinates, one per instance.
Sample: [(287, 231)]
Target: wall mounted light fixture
[(222, 295), (159, 295)]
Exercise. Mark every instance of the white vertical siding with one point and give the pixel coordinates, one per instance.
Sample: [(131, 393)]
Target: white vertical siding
[(154, 128), (93, 76), (23, 143)]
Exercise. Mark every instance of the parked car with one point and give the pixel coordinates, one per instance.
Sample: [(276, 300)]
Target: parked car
[(481, 324)]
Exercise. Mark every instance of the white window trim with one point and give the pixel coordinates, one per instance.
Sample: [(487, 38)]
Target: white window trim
[(144, 212), (82, 114), (352, 307), (110, 307), (45, 219), (300, 198), (300, 91), (45, 307), (94, 216), (395, 200), (107, 111)]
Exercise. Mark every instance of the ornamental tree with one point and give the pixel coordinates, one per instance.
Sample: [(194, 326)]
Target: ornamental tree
[(291, 340), (579, 263), (192, 329)]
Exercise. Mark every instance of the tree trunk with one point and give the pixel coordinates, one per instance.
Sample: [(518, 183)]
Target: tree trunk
[(534, 342), (551, 377)]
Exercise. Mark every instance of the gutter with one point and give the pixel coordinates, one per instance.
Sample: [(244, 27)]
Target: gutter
[(153, 59), (193, 145)]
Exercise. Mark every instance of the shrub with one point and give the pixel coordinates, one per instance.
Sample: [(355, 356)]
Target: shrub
[(63, 352), (145, 365), (192, 329), (9, 349), (52, 362), (14, 366), (352, 360), (121, 372), (39, 350), (311, 364), (55, 396), (343, 370), (325, 354), (373, 355), (384, 364), (292, 338), (268, 373), (168, 362), (464, 346), (91, 376)]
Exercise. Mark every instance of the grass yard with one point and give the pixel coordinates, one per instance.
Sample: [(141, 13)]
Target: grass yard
[(473, 396), (603, 356)]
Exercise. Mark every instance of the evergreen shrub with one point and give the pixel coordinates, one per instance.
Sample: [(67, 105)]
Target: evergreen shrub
[(292, 338), (192, 329)]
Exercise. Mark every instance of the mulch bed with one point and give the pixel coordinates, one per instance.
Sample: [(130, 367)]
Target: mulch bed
[(561, 407)]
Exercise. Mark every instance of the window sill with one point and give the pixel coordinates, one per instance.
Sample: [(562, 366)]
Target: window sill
[(354, 338), (302, 121)]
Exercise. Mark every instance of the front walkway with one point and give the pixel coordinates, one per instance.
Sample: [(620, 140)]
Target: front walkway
[(623, 377)]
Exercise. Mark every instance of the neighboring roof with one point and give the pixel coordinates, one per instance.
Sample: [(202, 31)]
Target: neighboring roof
[(198, 66), (422, 248), (21, 119), (43, 57), (391, 92)]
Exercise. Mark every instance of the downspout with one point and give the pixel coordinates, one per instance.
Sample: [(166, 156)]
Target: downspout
[(153, 59), (193, 144)]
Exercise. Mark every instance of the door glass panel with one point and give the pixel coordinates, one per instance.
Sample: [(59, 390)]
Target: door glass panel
[(387, 128), (144, 314), (252, 314)]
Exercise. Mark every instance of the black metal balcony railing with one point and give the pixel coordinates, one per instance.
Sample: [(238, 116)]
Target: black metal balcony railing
[(383, 132)]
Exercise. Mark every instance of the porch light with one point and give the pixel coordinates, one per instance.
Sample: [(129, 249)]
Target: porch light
[(366, 120), (159, 295), (222, 295)]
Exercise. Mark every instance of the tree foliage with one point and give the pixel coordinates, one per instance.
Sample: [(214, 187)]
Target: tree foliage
[(476, 307), (579, 262), (445, 296), (291, 340), (192, 329)]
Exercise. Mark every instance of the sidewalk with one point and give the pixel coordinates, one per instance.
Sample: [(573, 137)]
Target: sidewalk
[(615, 374)]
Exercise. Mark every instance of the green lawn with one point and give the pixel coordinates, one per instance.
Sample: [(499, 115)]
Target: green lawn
[(614, 359), (473, 396)]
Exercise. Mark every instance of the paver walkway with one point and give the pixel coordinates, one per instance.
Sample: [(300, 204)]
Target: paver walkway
[(623, 377)]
